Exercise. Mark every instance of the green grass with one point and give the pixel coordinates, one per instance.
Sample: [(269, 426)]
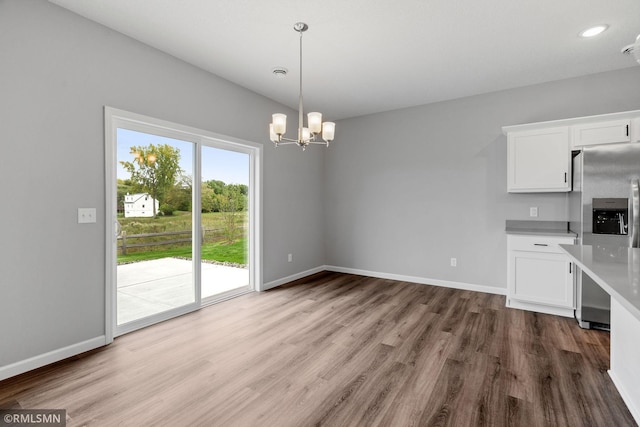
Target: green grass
[(181, 221), (234, 252), (220, 252)]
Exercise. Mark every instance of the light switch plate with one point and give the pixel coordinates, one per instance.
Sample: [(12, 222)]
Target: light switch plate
[(86, 215)]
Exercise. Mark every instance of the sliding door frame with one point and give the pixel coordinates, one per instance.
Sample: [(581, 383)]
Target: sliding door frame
[(116, 118)]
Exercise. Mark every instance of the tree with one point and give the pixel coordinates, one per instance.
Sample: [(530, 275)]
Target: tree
[(178, 198), (232, 201), (207, 198), (216, 185), (154, 169)]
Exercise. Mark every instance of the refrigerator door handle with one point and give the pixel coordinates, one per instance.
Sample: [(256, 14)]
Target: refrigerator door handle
[(635, 211)]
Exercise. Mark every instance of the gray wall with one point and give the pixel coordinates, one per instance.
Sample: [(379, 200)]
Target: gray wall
[(58, 71), (407, 190)]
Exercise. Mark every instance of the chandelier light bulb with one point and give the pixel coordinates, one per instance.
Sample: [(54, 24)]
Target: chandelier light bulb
[(304, 134), (279, 123), (328, 131), (314, 120)]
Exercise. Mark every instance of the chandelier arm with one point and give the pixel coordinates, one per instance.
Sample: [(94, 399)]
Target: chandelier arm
[(287, 139)]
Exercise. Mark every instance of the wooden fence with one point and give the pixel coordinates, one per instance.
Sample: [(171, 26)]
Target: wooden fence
[(213, 235)]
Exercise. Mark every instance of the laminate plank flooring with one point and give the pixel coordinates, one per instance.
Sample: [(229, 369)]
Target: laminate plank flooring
[(339, 350)]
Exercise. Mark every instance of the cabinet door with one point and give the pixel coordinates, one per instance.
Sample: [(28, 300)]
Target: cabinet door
[(544, 278), (635, 130), (538, 161), (601, 133)]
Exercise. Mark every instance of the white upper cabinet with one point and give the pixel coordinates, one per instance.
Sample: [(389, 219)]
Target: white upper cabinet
[(539, 154), (601, 133), (538, 160)]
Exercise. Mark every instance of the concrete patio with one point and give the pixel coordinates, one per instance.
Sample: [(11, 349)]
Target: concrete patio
[(150, 287)]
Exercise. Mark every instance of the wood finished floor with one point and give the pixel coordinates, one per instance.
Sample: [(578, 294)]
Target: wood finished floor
[(339, 350)]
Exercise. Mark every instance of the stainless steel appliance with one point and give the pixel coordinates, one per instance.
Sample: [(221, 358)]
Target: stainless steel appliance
[(604, 209)]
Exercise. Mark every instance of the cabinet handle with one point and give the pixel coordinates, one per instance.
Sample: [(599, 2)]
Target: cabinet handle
[(627, 130), (570, 268), (540, 244), (565, 177)]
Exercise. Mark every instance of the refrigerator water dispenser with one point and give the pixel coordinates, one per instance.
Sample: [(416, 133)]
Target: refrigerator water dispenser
[(610, 216)]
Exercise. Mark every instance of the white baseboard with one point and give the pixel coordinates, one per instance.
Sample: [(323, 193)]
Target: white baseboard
[(421, 280), (635, 411), (41, 360), (293, 277), (540, 308)]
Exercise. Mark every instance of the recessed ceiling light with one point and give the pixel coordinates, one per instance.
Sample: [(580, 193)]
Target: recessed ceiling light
[(593, 31)]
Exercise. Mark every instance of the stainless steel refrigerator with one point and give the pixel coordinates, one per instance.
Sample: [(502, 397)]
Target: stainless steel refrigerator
[(604, 211)]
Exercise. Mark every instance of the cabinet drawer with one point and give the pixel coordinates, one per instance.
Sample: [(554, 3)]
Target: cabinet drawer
[(547, 244)]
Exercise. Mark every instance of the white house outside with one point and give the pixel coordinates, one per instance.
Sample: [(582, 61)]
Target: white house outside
[(139, 205)]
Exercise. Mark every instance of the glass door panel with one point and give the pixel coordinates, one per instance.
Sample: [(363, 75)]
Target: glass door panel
[(224, 201), (155, 270)]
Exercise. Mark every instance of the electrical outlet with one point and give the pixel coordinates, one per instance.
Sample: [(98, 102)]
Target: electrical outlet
[(454, 262), (533, 212), (86, 215), (290, 258)]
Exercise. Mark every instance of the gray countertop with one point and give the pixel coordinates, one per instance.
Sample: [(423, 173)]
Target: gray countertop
[(539, 228), (615, 269)]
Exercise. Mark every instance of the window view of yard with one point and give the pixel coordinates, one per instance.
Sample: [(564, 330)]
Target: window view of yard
[(222, 236)]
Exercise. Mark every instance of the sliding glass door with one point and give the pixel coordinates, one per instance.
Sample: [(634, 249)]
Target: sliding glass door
[(224, 195), (183, 228), (155, 268)]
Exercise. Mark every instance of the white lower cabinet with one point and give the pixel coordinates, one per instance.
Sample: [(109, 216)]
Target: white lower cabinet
[(540, 275)]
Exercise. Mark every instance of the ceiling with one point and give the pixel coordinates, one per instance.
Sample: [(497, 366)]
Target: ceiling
[(366, 56)]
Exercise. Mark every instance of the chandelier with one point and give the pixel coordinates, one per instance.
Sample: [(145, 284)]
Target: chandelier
[(315, 127)]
